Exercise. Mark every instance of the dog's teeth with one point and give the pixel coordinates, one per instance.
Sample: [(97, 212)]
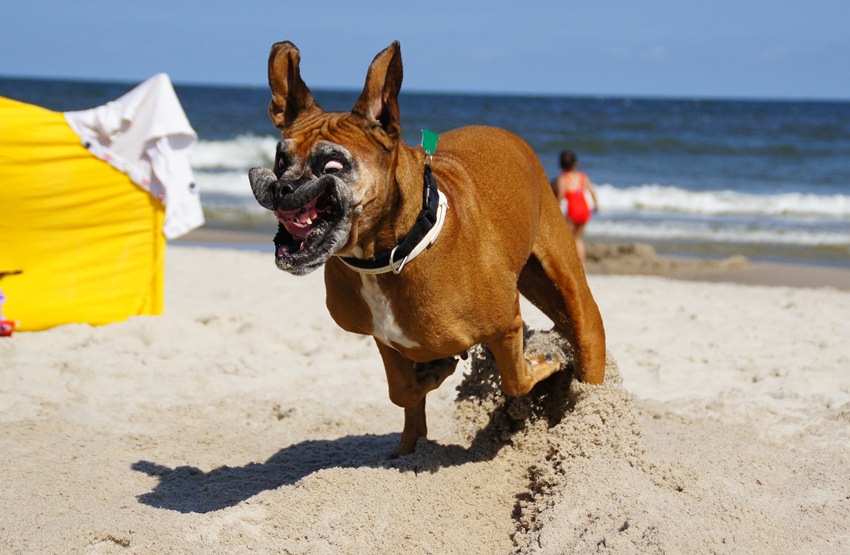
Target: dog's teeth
[(309, 220)]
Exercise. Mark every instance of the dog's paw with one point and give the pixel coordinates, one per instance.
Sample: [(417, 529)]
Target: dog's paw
[(547, 348)]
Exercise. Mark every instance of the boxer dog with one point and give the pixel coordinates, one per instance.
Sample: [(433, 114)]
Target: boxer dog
[(428, 254)]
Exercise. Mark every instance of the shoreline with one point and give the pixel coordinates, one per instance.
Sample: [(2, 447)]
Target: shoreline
[(617, 259)]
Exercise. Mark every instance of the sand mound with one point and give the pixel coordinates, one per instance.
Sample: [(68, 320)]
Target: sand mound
[(642, 259)]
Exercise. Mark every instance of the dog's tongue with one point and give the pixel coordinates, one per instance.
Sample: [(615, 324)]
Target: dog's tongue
[(299, 223)]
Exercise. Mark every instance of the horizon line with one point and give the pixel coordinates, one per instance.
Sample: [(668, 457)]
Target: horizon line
[(460, 92)]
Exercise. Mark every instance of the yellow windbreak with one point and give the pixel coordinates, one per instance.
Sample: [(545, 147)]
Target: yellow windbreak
[(87, 241)]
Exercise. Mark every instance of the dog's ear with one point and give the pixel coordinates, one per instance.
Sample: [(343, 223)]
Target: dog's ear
[(290, 95), (379, 99)]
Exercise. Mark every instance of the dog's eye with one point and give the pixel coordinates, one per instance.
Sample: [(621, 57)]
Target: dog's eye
[(332, 166)]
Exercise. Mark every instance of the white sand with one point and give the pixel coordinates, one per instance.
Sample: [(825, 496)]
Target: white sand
[(243, 420)]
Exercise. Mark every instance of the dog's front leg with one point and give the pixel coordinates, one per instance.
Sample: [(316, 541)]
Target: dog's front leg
[(406, 392), (409, 383)]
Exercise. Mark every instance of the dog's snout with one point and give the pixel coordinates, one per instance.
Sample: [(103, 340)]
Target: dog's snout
[(281, 189), (270, 191), (275, 193), (284, 188)]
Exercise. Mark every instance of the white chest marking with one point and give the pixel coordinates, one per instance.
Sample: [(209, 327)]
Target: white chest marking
[(384, 325)]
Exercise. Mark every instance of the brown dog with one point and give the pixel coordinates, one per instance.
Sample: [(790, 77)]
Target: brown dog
[(428, 256)]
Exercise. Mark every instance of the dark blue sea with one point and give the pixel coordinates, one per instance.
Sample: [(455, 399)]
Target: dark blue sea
[(766, 179)]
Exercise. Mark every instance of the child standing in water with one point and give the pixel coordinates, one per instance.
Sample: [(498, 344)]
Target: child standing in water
[(573, 186)]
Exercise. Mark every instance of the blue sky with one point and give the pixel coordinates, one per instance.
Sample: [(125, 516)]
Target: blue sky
[(677, 48)]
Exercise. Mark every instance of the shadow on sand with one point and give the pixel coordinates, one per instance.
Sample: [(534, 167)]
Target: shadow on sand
[(190, 490)]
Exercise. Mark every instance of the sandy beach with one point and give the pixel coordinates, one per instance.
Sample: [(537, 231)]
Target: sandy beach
[(243, 420)]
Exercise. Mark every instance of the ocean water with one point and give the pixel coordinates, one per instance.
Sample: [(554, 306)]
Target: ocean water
[(766, 179)]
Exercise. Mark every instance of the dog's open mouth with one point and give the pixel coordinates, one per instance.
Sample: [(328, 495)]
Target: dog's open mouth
[(302, 230), (313, 219)]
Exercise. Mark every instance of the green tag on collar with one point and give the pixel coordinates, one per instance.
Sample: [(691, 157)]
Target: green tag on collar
[(429, 141)]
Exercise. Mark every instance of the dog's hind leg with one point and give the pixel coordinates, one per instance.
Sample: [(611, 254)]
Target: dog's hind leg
[(518, 372), (553, 280), (409, 383)]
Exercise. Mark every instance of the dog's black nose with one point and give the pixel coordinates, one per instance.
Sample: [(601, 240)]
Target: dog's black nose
[(284, 188), (281, 190)]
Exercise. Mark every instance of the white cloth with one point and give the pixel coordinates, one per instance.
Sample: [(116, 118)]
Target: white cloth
[(146, 135)]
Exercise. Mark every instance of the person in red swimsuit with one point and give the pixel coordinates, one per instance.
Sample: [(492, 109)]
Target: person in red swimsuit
[(573, 186)]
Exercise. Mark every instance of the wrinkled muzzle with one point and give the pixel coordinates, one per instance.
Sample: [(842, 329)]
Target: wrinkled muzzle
[(265, 186), (314, 217)]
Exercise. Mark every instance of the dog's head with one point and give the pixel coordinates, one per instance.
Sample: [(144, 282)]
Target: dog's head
[(333, 170)]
